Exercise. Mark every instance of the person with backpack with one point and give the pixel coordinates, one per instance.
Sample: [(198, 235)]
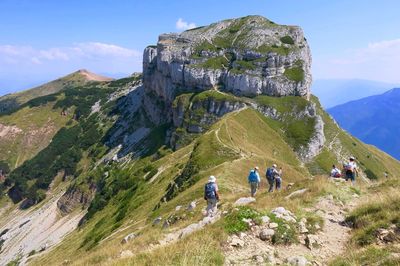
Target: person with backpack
[(278, 179), (273, 178), (211, 195), (254, 181), (335, 172), (351, 170)]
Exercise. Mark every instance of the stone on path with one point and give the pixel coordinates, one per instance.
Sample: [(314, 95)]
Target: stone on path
[(244, 201), (297, 261)]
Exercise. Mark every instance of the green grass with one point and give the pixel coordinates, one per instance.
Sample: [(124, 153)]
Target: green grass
[(295, 74), (372, 216), (233, 223), (204, 46), (369, 256), (287, 40), (285, 233), (297, 132), (214, 95), (218, 62), (265, 49)]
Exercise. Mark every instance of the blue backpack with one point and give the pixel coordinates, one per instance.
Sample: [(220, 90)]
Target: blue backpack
[(209, 191), (270, 173), (253, 176)]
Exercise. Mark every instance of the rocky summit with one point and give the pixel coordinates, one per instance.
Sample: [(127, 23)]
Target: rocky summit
[(246, 56)]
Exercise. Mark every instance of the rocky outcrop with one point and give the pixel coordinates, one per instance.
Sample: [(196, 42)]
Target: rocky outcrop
[(75, 197), (228, 56)]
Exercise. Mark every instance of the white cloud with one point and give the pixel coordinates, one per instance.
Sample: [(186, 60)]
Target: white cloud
[(79, 50), (183, 25), (375, 61), (33, 64)]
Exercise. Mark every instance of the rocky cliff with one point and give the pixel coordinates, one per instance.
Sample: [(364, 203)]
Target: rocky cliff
[(246, 56)]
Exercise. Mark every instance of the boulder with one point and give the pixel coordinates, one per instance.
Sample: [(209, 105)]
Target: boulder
[(296, 193), (302, 227), (265, 219), (126, 254), (128, 238), (157, 220), (273, 225), (297, 261), (312, 241), (177, 208), (236, 242), (244, 201), (191, 206), (258, 259), (266, 234)]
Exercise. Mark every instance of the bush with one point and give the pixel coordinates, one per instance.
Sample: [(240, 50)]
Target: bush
[(287, 40), (233, 223), (285, 233)]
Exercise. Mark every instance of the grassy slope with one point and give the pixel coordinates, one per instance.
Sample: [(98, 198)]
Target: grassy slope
[(247, 134), (74, 79), (38, 125)]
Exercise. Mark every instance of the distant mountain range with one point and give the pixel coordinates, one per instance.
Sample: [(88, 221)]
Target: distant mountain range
[(374, 120), (332, 92)]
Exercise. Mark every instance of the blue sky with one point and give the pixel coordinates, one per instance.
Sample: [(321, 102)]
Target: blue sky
[(42, 40)]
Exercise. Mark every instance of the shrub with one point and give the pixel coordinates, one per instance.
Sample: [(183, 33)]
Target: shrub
[(287, 40), (233, 223)]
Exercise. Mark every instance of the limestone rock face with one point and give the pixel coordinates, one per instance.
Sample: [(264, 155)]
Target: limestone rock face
[(246, 56)]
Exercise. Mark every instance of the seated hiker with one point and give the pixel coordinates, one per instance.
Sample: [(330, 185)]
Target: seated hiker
[(254, 181), (335, 172), (211, 195), (351, 170)]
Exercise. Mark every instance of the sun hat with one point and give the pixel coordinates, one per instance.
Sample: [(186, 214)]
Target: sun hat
[(274, 165), (212, 178)]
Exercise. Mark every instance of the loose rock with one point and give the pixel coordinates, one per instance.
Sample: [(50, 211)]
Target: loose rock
[(126, 254), (244, 201), (266, 234), (297, 261)]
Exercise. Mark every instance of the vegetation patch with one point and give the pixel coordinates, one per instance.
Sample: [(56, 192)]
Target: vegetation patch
[(295, 74), (215, 63), (378, 214), (287, 40), (234, 222), (285, 233), (265, 49)]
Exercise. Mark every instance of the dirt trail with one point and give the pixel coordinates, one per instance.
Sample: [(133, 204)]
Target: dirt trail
[(332, 240)]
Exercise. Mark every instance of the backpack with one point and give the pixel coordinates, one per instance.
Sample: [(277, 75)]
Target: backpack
[(209, 191), (253, 176), (270, 173), (349, 168)]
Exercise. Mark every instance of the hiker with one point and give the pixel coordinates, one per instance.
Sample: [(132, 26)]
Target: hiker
[(278, 179), (351, 170), (273, 176), (211, 195), (254, 180), (335, 172)]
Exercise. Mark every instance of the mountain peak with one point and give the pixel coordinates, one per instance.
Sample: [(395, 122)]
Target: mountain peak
[(90, 76)]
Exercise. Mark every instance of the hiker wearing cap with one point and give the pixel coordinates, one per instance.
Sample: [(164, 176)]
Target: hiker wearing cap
[(211, 195), (254, 181), (351, 170)]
